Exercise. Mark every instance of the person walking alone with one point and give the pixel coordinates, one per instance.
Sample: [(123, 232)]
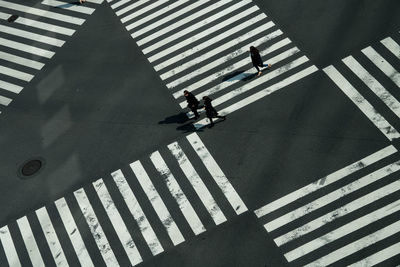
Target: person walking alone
[(210, 110), (257, 60), (193, 103)]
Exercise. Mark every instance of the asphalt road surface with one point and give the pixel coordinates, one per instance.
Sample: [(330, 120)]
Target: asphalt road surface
[(102, 164)]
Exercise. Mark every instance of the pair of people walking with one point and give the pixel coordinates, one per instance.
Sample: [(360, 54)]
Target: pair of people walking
[(193, 105)]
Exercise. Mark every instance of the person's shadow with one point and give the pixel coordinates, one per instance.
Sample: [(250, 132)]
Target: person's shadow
[(180, 118)]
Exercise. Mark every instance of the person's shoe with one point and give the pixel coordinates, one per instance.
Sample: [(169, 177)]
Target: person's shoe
[(259, 74), (269, 66), (224, 117)]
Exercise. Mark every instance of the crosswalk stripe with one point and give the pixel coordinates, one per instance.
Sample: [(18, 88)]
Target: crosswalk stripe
[(42, 13), (203, 82), (9, 248), (217, 174), (5, 101), (325, 181), (21, 61), (181, 22), (73, 232), (184, 205), (130, 7), (51, 237), (382, 64), (257, 96), (137, 213), (119, 3), (68, 6), (16, 74), (30, 242), (345, 229), (216, 63), (95, 228), (356, 245), (10, 87), (380, 122), (39, 24), (26, 48), (116, 220), (332, 196), (193, 38), (156, 14), (157, 203), (392, 46), (197, 184), (196, 26), (143, 10), (373, 84), (162, 21), (379, 256)]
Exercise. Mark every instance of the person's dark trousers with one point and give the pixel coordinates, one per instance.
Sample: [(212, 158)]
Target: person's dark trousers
[(194, 110)]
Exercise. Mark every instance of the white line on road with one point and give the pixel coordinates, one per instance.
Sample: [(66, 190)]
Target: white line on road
[(30, 242), (392, 46), (130, 7), (26, 48), (379, 256), (9, 248), (10, 87), (5, 101), (143, 10), (69, 6), (16, 74), (21, 61)]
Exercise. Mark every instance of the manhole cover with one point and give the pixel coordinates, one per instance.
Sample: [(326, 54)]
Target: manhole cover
[(31, 168)]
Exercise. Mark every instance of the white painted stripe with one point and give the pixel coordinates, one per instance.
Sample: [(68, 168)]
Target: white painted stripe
[(216, 63), (42, 13), (95, 228), (325, 181), (39, 25), (156, 14), (51, 237), (392, 46), (26, 48), (21, 61), (379, 256), (194, 27), (130, 7), (373, 84), (203, 82), (184, 205), (5, 101), (377, 119), (157, 203), (9, 248), (32, 36), (382, 64), (10, 87), (357, 245), (68, 6), (181, 22), (119, 3), (120, 228), (137, 213), (257, 96), (237, 78), (332, 196), (172, 16), (95, 1), (217, 174), (30, 242), (143, 10), (197, 184), (194, 38), (213, 52), (349, 227), (73, 233), (16, 74)]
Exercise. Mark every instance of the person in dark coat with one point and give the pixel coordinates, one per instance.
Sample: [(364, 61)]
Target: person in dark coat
[(257, 60), (210, 110), (193, 103)]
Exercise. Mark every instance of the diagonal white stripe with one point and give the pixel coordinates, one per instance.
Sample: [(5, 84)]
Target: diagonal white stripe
[(143, 10), (392, 46), (21, 61), (5, 101), (30, 242), (379, 256), (16, 74), (9, 248), (26, 48), (68, 6), (130, 7)]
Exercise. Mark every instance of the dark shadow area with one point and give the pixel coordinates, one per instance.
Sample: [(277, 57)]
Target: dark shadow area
[(178, 118), (232, 75)]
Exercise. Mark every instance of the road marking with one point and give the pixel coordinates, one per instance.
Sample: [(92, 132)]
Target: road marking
[(95, 228), (26, 48), (116, 220), (392, 46), (157, 203), (379, 256), (143, 10), (21, 61), (16, 74), (51, 237), (119, 3), (137, 213), (217, 174), (10, 87), (197, 184), (5, 101), (130, 7), (380, 122), (68, 6), (9, 248), (184, 205), (73, 233), (30, 242)]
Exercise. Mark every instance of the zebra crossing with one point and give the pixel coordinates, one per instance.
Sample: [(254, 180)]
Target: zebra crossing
[(202, 47), (377, 67), (30, 36), (192, 209), (339, 215)]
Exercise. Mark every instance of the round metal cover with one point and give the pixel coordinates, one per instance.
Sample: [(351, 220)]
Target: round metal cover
[(31, 167)]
